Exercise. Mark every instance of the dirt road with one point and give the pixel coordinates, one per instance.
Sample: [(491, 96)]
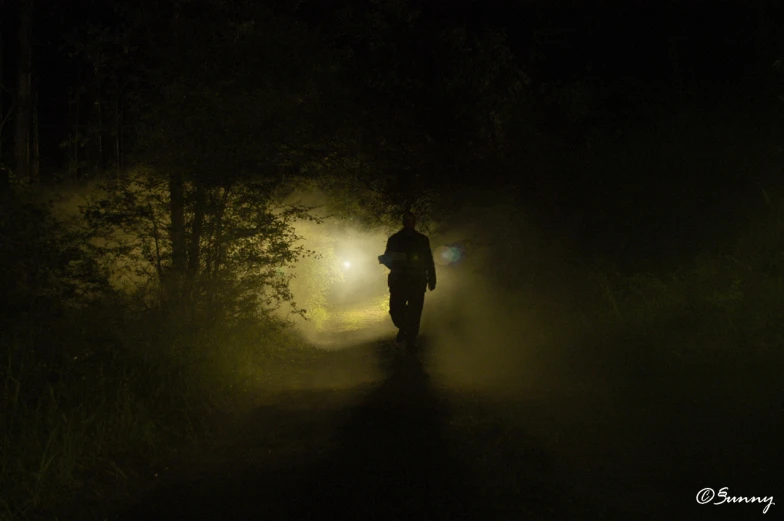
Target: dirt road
[(399, 445)]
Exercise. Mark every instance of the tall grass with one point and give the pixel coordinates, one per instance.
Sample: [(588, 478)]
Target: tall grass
[(89, 406), (715, 319), (97, 386)]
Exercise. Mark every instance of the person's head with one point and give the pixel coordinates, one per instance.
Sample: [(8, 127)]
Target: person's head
[(409, 220)]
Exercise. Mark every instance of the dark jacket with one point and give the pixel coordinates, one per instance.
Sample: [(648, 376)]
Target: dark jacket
[(409, 258)]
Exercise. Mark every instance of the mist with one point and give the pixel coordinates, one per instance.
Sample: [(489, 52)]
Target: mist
[(582, 363), (195, 322), (494, 324), (521, 320)]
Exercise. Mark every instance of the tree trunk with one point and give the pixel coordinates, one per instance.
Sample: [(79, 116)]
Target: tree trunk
[(194, 261), (762, 34), (214, 254), (99, 115), (35, 167), (4, 175), (71, 168), (117, 132), (74, 137), (675, 66), (196, 230), (2, 86), (177, 209), (218, 241), (23, 115)]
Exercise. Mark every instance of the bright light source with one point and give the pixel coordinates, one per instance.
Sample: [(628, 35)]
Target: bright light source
[(347, 264)]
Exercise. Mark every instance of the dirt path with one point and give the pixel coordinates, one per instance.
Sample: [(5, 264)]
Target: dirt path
[(397, 444), (383, 449)]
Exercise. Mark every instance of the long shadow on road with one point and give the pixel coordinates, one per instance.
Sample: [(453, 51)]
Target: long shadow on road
[(389, 460), (385, 453)]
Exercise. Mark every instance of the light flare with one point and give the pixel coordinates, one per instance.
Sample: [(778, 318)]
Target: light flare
[(448, 254)]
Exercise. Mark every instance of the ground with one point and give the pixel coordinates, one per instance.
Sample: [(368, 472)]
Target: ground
[(387, 449), (367, 433)]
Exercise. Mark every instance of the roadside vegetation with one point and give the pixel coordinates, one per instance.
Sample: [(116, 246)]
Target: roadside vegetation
[(134, 314), (101, 385), (716, 314)]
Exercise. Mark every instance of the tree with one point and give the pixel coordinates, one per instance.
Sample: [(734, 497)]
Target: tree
[(435, 101), (190, 128), (23, 111), (240, 104), (107, 56), (5, 113)]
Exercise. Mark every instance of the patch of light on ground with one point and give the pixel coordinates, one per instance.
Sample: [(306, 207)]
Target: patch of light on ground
[(368, 314), (348, 326)]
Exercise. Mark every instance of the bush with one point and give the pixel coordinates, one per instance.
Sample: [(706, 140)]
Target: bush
[(710, 328), (97, 385)]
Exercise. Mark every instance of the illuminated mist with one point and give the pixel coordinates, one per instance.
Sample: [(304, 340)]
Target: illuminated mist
[(501, 325), (485, 324), (341, 286)]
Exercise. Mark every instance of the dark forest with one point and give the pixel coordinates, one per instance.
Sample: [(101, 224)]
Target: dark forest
[(195, 196)]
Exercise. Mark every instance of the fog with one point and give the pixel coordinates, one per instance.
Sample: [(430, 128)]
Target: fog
[(499, 276), (509, 323)]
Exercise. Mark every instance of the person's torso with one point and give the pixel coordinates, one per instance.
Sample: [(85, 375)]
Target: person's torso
[(408, 249)]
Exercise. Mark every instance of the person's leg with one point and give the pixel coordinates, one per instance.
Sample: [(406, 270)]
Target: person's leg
[(416, 301), (397, 309)]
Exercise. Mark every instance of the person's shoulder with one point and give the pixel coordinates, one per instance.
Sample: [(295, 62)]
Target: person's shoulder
[(421, 236)]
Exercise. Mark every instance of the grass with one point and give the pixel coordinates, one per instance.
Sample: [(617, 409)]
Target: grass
[(94, 400), (665, 377), (86, 407), (711, 324)]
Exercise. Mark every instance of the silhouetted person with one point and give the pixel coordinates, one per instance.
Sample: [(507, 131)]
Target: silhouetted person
[(410, 260)]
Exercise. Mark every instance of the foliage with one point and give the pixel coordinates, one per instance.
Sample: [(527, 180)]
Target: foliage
[(118, 334), (247, 239), (730, 300), (314, 275), (123, 393), (241, 94), (129, 347), (97, 384), (432, 102), (46, 265)]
